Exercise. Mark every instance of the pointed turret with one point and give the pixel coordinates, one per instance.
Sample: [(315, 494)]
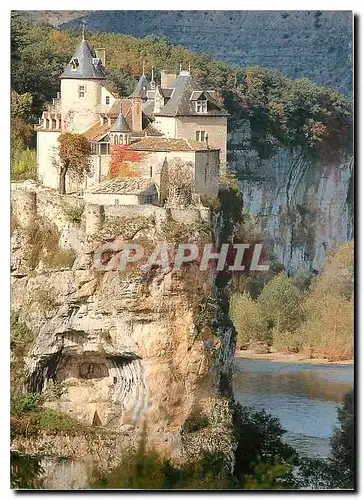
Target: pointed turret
[(120, 125), (120, 132), (141, 88), (84, 64)]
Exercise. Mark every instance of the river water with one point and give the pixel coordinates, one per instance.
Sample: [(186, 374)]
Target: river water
[(303, 396)]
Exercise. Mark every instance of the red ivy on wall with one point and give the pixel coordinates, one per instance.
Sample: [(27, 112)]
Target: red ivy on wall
[(122, 159)]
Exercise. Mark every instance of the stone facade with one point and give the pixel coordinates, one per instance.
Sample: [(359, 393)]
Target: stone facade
[(86, 106)]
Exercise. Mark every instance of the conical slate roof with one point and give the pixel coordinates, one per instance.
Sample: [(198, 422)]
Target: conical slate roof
[(84, 64), (141, 87), (120, 125)]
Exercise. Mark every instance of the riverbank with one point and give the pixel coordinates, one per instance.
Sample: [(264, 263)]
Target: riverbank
[(281, 357)]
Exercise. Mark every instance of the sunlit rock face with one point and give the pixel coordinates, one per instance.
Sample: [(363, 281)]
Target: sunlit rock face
[(304, 207), (121, 350)]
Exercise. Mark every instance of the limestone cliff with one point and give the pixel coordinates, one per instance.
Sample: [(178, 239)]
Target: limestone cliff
[(303, 206), (120, 350)]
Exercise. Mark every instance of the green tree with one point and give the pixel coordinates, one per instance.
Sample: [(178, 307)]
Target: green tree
[(280, 304), (248, 321), (343, 445), (74, 157)]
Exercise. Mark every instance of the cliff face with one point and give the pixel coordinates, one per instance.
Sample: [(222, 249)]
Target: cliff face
[(121, 351), (304, 207)]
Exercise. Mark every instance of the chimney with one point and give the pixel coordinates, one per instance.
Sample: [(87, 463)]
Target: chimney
[(136, 114), (167, 79), (100, 53)]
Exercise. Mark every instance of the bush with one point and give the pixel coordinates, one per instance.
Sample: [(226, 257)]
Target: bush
[(43, 240), (281, 304), (60, 259), (195, 422), (328, 328), (45, 298), (23, 165), (285, 341), (21, 339), (211, 202), (74, 214), (24, 403), (248, 321)]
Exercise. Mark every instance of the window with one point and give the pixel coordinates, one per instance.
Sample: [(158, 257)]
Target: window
[(104, 120), (121, 139), (205, 175), (151, 171), (74, 64), (81, 91), (116, 139), (201, 106), (107, 100), (200, 135), (117, 201), (104, 148), (148, 199)]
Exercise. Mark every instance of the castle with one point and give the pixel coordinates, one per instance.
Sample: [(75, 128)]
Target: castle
[(174, 122)]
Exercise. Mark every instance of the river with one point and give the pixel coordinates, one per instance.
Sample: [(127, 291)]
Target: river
[(303, 396)]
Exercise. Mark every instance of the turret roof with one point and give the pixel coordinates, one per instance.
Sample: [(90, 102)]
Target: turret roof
[(120, 125), (141, 88), (84, 64)]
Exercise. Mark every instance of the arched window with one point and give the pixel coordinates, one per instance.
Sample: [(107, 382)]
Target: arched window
[(121, 139), (116, 139)]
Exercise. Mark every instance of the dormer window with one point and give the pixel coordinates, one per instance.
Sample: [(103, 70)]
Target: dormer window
[(74, 64), (201, 106)]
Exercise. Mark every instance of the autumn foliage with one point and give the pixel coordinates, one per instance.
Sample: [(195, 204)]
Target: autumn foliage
[(122, 160), (75, 157)]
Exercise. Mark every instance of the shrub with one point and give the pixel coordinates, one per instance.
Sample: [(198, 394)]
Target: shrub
[(248, 320), (20, 340), (43, 239), (60, 259), (23, 165), (24, 403), (211, 202), (195, 422), (285, 341), (329, 326), (45, 298), (74, 214), (280, 304), (25, 472)]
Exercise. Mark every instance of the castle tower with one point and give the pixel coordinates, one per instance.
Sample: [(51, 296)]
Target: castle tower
[(81, 85), (120, 132)]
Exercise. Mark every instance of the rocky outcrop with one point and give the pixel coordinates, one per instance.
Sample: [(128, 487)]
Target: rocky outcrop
[(303, 206), (125, 350)]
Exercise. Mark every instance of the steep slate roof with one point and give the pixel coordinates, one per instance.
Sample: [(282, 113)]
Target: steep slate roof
[(88, 65), (131, 185), (141, 88), (181, 103), (166, 144), (120, 125)]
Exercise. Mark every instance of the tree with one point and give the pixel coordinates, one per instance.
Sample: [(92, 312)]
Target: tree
[(280, 303), (122, 161), (342, 444), (75, 157), (248, 321)]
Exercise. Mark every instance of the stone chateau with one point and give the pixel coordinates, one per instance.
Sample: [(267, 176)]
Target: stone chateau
[(174, 121)]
